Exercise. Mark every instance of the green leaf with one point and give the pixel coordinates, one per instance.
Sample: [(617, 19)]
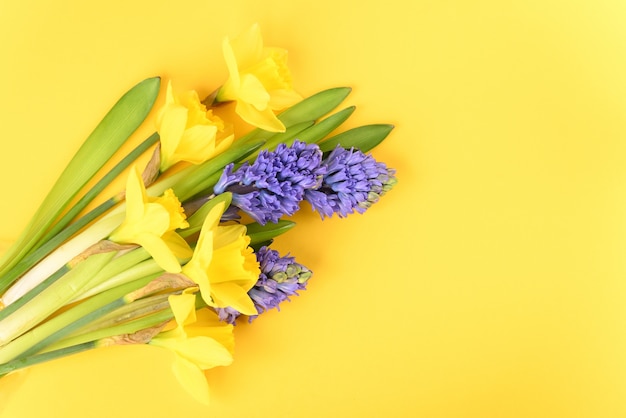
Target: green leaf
[(197, 219), (260, 233), (195, 179), (314, 107), (363, 138), (318, 131), (116, 127)]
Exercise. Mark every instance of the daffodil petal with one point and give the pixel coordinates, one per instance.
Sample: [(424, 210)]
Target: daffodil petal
[(156, 219), (205, 352), (160, 252), (209, 324), (197, 144), (224, 143), (184, 308), (135, 195), (233, 69), (195, 271), (281, 99), (229, 234), (192, 379), (234, 296), (266, 119), (248, 46), (172, 128), (253, 92)]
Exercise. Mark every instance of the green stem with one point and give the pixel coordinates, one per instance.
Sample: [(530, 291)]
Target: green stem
[(21, 363), (128, 312), (50, 300), (37, 255), (185, 183), (63, 324), (86, 342), (62, 255), (33, 292), (129, 327)]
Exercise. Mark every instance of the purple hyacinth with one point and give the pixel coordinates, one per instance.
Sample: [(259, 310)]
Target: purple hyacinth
[(353, 182), (280, 278), (274, 185)]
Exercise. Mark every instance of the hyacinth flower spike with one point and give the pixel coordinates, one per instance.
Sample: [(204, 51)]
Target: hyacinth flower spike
[(275, 183), (352, 183)]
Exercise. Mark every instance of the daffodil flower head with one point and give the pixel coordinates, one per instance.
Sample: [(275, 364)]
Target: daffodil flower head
[(189, 132), (259, 80), (199, 342), (223, 265), (152, 223)]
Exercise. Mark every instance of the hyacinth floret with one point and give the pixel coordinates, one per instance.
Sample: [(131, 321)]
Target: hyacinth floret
[(275, 183), (280, 278), (352, 183)]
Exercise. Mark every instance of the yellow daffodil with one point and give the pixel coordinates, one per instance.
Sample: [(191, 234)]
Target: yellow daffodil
[(189, 132), (151, 223), (200, 341), (260, 81), (223, 265)]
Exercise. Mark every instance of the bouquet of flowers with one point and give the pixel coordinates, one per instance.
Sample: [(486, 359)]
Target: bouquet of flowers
[(176, 258)]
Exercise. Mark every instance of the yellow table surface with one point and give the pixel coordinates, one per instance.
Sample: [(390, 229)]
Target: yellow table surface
[(490, 283)]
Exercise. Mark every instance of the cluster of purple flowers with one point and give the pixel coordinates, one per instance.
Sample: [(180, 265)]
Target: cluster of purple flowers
[(274, 185), (353, 181), (280, 278), (343, 182)]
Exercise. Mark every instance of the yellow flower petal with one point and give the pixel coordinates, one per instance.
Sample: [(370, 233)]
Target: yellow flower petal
[(192, 379), (248, 46), (256, 75), (151, 222), (234, 296), (253, 92), (199, 342), (266, 119), (159, 251), (189, 132), (135, 195), (223, 256), (184, 307), (171, 130)]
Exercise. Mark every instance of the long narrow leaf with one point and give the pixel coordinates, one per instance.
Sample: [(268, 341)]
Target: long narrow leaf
[(364, 138), (121, 121)]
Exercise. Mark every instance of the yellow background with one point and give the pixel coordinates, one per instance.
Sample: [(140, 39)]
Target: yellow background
[(490, 283)]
